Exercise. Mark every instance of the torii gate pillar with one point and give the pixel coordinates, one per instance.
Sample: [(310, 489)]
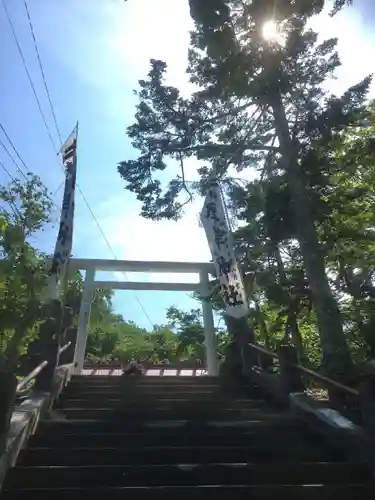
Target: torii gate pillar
[(83, 320), (209, 327)]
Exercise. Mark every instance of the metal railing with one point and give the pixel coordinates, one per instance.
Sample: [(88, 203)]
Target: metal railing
[(307, 371), (346, 418), (22, 385), (355, 403)]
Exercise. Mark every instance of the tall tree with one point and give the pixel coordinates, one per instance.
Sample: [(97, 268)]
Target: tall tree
[(270, 259), (342, 205), (261, 101)]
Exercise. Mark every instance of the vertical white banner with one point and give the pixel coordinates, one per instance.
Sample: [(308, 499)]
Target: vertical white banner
[(63, 247), (221, 246)]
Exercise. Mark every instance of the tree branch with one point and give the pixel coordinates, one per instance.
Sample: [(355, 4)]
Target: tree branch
[(235, 111), (184, 185), (267, 162), (227, 147)]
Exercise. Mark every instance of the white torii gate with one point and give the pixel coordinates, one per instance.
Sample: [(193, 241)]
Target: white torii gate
[(90, 284)]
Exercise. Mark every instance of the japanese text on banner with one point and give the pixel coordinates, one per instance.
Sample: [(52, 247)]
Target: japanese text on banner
[(220, 242), (63, 247)]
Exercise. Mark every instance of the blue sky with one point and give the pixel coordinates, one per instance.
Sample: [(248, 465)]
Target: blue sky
[(94, 52)]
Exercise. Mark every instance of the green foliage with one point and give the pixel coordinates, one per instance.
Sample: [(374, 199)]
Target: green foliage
[(339, 4), (182, 338), (25, 209), (189, 331), (262, 104)]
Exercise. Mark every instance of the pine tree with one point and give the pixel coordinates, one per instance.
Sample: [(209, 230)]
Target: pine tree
[(260, 101)]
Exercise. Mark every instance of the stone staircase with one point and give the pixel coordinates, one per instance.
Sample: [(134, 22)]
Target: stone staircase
[(178, 437)]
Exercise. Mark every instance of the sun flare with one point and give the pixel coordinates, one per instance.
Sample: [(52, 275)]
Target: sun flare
[(270, 31)]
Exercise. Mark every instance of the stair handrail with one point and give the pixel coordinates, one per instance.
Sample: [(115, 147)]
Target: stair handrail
[(348, 416), (35, 372), (327, 380)]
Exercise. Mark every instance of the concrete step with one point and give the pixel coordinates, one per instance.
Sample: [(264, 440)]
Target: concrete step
[(153, 455), (345, 491), (153, 389), (275, 421), (189, 474), (183, 392), (96, 401), (164, 413), (226, 437), (129, 383), (150, 395), (155, 383)]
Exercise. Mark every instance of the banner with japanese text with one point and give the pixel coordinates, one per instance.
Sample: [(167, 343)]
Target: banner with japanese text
[(221, 246), (63, 247)]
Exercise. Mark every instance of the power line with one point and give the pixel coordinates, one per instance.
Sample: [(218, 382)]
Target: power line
[(13, 147), (28, 73), (42, 70), (113, 253), (58, 188), (28, 171), (13, 160), (15, 37), (7, 171), (56, 125), (14, 180)]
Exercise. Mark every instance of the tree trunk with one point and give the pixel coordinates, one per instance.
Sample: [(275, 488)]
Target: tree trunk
[(292, 327), (262, 324), (295, 333), (242, 334), (336, 356)]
